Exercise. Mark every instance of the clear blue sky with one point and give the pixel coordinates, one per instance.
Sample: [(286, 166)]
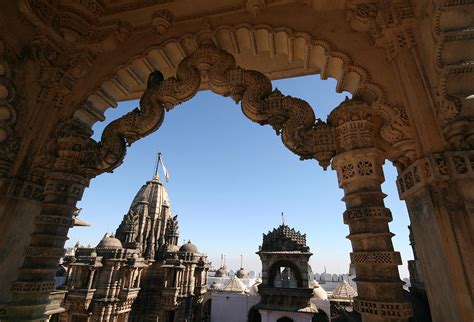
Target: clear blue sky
[(230, 180)]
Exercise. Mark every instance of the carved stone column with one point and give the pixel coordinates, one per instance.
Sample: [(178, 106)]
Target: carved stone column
[(64, 184), (358, 163), (439, 194), (20, 202)]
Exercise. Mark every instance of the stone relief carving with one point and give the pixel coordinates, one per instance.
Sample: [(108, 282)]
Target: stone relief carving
[(74, 27), (433, 168), (8, 112), (391, 25)]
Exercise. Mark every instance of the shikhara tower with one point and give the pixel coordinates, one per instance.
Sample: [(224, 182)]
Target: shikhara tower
[(145, 224), (174, 279)]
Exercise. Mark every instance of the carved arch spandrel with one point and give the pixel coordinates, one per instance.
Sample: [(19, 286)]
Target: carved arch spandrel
[(300, 49)]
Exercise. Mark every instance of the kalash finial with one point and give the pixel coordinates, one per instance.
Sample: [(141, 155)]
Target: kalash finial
[(282, 219)]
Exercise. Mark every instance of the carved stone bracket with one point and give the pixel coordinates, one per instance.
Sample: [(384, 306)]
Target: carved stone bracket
[(389, 23), (438, 166)]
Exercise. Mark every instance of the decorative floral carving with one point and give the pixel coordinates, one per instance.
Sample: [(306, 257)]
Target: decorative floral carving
[(347, 171), (365, 168)]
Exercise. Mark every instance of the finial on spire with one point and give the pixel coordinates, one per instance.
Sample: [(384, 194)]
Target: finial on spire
[(241, 261), (159, 160), (282, 218)]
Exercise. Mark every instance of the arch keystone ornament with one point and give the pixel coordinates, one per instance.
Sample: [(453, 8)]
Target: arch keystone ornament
[(358, 162)]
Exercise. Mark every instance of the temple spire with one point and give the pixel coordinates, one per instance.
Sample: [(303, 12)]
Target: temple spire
[(282, 218)]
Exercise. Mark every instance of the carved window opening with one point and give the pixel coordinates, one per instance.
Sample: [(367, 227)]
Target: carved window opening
[(285, 274)]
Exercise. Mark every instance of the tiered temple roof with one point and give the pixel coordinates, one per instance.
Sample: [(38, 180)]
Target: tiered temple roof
[(284, 238), (344, 291)]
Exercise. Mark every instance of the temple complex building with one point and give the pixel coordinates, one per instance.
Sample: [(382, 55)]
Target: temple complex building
[(285, 289), (407, 64), (141, 273), (102, 282)]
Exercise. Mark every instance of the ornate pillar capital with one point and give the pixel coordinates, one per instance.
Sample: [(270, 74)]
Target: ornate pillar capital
[(355, 125)]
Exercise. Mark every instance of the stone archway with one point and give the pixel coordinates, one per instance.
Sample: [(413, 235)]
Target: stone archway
[(58, 47), (352, 137)]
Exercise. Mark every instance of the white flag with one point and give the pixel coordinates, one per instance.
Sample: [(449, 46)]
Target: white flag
[(166, 173)]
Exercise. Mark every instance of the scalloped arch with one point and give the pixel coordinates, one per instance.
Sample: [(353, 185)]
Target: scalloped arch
[(276, 52)]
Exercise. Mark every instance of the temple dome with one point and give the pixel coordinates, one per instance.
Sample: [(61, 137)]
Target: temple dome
[(188, 247), (155, 194), (109, 242), (242, 273), (222, 272)]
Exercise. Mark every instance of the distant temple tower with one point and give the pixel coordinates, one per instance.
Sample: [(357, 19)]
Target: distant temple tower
[(285, 291), (176, 280), (145, 224)]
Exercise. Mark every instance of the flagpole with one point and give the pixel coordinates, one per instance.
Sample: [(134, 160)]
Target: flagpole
[(158, 158)]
